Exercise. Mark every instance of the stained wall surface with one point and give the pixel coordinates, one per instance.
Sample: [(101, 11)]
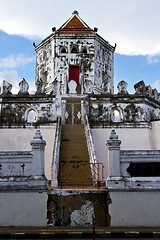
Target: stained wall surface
[(75, 208), (135, 208), (131, 139), (156, 134), (18, 139), (23, 208)]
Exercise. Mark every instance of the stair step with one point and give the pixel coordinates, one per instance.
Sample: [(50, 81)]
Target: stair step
[(74, 152)]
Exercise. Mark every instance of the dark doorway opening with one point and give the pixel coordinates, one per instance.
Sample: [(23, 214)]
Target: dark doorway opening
[(74, 75)]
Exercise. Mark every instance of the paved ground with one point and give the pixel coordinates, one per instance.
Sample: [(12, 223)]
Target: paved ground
[(77, 233)]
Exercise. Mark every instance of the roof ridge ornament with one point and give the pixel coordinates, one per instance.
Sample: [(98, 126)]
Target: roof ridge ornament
[(75, 12)]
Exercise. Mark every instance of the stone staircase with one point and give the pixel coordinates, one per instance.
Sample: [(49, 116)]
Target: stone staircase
[(74, 167)]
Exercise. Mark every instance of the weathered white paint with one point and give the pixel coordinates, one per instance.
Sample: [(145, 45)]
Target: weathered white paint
[(38, 146), (23, 208), (156, 135), (17, 164), (126, 157), (137, 208), (131, 138), (56, 151), (83, 216), (96, 64), (119, 161), (90, 143), (18, 139), (113, 144), (23, 187), (134, 200)]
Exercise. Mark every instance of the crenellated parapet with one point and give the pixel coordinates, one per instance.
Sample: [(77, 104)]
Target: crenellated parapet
[(102, 109), (142, 106), (24, 108)]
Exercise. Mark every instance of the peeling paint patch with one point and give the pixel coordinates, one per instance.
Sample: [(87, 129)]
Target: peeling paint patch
[(83, 216), (76, 207)]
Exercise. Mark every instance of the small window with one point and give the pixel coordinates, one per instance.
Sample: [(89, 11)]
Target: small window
[(41, 58), (44, 77), (104, 76), (103, 54), (50, 52), (84, 50), (44, 55), (63, 50), (117, 117), (74, 50), (31, 116)]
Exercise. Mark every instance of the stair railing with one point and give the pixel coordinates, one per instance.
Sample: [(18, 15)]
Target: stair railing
[(90, 144), (56, 151), (91, 149)]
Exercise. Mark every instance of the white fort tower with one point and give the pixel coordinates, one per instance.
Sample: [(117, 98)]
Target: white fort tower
[(75, 52)]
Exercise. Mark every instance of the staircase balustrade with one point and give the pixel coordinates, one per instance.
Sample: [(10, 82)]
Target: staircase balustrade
[(90, 144), (92, 153), (55, 161)]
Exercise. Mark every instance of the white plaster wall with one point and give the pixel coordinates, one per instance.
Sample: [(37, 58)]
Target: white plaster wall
[(135, 208), (63, 60), (131, 139), (23, 209), (58, 67), (104, 61), (45, 63), (18, 139), (156, 135)]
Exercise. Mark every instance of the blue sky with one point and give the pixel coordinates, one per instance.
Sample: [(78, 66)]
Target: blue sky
[(132, 24), (17, 60), (133, 69)]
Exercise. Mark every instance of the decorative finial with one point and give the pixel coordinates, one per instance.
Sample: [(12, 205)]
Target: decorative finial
[(53, 29), (113, 134), (38, 142), (37, 134), (75, 12), (113, 140)]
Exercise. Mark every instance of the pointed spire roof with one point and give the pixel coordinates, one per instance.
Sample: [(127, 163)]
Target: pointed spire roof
[(75, 25)]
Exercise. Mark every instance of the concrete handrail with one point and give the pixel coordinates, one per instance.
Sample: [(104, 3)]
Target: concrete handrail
[(57, 142), (90, 144), (56, 150)]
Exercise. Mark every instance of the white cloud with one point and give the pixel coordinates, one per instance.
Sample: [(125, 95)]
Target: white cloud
[(156, 85), (153, 59), (13, 78), (132, 24), (15, 61)]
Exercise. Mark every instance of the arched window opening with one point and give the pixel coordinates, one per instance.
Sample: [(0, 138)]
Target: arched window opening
[(84, 50), (63, 50), (98, 53), (44, 55), (44, 77), (41, 59), (117, 116), (74, 50), (103, 54), (31, 116)]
